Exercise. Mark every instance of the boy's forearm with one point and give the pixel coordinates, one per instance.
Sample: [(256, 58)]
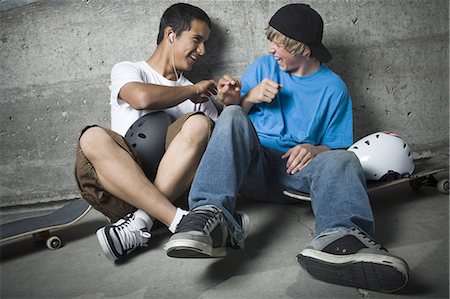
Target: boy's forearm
[(153, 96), (245, 104)]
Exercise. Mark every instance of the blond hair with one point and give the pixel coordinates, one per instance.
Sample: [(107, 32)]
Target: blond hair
[(294, 47)]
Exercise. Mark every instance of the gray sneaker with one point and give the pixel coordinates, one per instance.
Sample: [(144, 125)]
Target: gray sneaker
[(203, 233), (351, 258), (244, 221)]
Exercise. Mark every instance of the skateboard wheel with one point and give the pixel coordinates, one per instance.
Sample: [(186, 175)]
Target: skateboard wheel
[(53, 243), (443, 186)]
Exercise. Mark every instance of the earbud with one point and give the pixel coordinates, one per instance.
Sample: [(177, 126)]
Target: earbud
[(171, 37)]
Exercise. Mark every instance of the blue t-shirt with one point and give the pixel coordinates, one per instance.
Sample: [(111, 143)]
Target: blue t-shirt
[(314, 109)]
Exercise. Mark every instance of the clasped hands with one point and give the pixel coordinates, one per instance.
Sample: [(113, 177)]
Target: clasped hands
[(228, 91)]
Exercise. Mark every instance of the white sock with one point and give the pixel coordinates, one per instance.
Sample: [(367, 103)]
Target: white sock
[(144, 216), (180, 213)]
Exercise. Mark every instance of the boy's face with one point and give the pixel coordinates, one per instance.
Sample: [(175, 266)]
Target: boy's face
[(190, 45), (286, 61)]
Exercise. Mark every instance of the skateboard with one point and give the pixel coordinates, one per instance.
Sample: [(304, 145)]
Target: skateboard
[(40, 226), (423, 175)]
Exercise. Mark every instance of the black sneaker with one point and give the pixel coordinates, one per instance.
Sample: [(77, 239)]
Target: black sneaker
[(204, 233), (121, 238), (351, 258)]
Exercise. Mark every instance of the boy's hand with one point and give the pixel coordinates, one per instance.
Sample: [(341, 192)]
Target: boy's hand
[(299, 156), (203, 90), (229, 90), (264, 92)]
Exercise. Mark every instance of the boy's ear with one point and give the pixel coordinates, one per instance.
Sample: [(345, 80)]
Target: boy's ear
[(168, 31), (306, 51)]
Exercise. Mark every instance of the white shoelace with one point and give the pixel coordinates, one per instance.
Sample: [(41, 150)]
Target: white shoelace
[(131, 236)]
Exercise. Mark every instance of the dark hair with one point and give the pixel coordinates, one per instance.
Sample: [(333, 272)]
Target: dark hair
[(180, 16)]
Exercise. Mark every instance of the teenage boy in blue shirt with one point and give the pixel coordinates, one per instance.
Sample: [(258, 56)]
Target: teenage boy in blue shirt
[(283, 127)]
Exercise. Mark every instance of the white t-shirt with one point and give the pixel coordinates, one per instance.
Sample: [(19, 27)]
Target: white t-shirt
[(123, 115)]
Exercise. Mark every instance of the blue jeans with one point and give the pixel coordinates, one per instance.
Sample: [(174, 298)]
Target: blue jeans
[(235, 162)]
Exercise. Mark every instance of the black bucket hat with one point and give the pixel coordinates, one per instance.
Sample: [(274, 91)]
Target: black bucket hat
[(302, 23)]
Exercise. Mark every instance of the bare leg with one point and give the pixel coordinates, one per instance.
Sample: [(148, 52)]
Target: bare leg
[(178, 165), (121, 176)]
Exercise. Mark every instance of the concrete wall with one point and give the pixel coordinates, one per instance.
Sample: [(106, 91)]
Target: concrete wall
[(56, 57)]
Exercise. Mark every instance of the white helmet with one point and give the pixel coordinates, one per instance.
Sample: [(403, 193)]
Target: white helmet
[(383, 153)]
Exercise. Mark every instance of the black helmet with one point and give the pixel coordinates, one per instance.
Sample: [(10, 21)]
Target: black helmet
[(147, 136)]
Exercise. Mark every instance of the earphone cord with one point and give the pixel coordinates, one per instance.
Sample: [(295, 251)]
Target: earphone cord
[(173, 65), (196, 107)]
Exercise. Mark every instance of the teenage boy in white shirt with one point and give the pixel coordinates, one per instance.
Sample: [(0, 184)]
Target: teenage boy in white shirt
[(109, 172)]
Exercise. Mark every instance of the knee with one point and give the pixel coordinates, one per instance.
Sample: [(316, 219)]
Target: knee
[(196, 129), (342, 159), (91, 139), (232, 114), (350, 160)]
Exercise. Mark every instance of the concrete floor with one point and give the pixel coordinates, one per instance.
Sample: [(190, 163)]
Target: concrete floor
[(412, 224)]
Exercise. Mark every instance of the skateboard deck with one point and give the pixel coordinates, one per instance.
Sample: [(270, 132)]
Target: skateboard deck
[(423, 175), (40, 226)]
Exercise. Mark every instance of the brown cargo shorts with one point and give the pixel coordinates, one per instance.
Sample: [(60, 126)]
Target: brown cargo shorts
[(89, 184)]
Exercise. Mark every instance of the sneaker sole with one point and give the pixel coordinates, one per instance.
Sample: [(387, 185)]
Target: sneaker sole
[(191, 248), (105, 245), (365, 271)]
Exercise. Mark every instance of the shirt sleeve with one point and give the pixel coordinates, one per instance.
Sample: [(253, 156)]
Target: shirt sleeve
[(121, 74)]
